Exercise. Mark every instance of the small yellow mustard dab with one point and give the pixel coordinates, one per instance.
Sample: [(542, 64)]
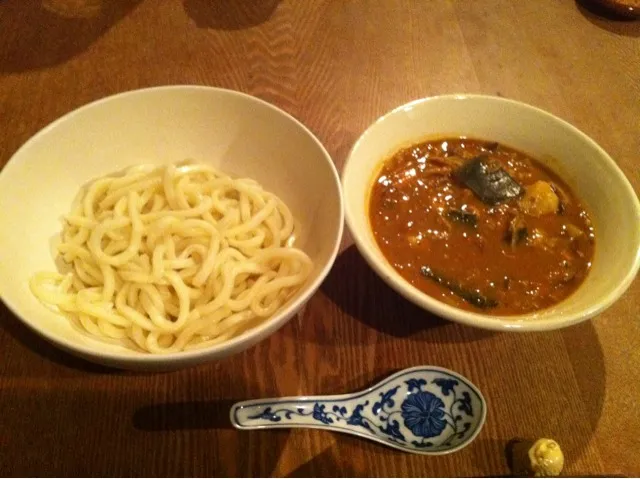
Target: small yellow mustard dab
[(540, 458)]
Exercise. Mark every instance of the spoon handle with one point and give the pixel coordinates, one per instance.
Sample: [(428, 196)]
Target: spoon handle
[(287, 412), (351, 414)]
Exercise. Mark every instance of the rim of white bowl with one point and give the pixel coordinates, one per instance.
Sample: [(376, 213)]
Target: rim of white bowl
[(519, 323), (237, 343)]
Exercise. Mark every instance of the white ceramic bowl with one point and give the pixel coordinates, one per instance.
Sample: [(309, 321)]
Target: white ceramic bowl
[(585, 166), (238, 133)]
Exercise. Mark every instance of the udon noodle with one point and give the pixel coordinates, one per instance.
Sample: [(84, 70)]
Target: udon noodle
[(166, 259)]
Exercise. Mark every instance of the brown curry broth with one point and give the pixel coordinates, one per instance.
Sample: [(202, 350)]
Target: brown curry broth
[(412, 232)]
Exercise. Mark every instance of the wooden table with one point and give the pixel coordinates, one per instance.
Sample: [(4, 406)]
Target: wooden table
[(335, 65)]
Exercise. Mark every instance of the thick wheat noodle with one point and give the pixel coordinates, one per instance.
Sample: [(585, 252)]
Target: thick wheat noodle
[(173, 258), (114, 197)]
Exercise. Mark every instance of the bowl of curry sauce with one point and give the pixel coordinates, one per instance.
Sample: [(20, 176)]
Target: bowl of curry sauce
[(492, 213)]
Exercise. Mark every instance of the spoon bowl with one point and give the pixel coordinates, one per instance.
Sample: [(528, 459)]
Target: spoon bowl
[(421, 410)]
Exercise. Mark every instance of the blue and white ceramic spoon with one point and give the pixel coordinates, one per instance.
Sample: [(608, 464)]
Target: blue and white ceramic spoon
[(423, 410)]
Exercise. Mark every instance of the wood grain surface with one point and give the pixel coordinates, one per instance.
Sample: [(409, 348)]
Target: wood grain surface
[(336, 65)]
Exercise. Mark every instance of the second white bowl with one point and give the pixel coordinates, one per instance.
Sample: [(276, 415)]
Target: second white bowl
[(585, 166)]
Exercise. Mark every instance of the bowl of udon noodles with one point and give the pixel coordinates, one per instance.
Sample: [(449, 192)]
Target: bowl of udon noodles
[(166, 227), (492, 213)]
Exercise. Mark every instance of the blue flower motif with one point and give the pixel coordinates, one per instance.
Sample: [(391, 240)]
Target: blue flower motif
[(415, 384), (393, 430), (465, 404), (466, 426), (423, 413), (319, 414), (447, 385), (356, 418)]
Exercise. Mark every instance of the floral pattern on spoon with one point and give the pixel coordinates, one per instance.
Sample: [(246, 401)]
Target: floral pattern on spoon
[(424, 410)]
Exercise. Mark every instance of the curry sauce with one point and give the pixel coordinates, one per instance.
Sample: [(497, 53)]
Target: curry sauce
[(480, 226)]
